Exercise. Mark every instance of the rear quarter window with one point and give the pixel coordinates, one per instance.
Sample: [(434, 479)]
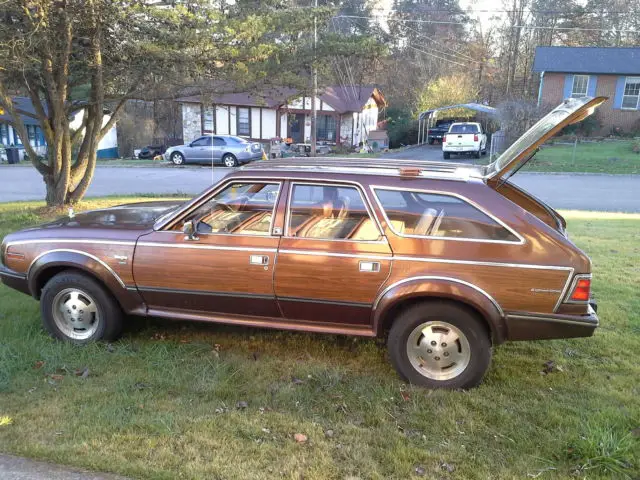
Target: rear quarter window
[(436, 215)]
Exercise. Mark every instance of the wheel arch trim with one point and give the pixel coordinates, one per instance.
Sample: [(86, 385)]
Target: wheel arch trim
[(398, 292), (38, 265)]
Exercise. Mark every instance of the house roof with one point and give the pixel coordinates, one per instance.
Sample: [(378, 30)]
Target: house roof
[(341, 99), (24, 104), (611, 60)]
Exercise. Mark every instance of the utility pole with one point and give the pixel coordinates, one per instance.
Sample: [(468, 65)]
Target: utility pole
[(314, 111)]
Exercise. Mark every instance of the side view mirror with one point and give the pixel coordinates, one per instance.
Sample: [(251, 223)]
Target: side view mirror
[(190, 231)]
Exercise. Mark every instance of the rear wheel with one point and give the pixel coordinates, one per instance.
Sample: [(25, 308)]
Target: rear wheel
[(439, 345), (446, 155), (432, 141), (476, 154), (229, 160), (77, 309)]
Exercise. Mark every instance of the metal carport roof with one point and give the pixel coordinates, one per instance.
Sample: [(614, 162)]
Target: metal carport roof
[(478, 107)]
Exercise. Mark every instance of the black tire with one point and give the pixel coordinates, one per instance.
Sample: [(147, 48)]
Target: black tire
[(432, 141), (229, 160), (110, 320), (446, 155), (476, 154), (465, 321), (177, 158)]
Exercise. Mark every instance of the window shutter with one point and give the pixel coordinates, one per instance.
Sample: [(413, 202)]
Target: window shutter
[(593, 83), (617, 100), (568, 86)]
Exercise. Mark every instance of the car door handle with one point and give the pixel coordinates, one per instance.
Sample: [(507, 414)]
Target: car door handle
[(259, 260), (366, 266)]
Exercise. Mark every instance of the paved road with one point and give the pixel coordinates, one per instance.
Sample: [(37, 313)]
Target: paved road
[(615, 193), (18, 468)]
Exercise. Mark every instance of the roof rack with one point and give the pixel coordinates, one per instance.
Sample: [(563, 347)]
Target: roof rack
[(413, 168)]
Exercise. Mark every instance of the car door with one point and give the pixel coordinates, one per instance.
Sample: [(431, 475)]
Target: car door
[(333, 258), (199, 150), (217, 148), (227, 267)]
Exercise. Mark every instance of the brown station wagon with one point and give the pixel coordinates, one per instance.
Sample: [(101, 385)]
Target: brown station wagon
[(445, 260)]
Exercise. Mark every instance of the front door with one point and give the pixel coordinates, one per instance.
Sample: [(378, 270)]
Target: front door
[(227, 268), (296, 127), (199, 149), (333, 258)]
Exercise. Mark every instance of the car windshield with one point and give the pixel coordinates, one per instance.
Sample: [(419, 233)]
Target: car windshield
[(463, 128)]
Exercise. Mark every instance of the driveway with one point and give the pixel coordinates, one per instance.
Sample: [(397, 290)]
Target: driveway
[(613, 193), (18, 468)]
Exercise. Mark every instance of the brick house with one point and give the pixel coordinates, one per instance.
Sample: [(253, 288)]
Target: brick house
[(612, 72), (345, 115)]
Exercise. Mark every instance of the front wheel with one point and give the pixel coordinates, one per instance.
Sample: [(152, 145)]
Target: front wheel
[(229, 161), (177, 158), (439, 345), (77, 309)]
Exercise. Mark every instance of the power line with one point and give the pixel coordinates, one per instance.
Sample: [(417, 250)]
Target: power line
[(460, 54), (440, 58), (530, 27)]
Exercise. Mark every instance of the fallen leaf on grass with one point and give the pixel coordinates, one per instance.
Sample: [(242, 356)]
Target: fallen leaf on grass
[(5, 420), (448, 467), (140, 386), (328, 433), (405, 396), (81, 372), (39, 364), (550, 367), (56, 377), (420, 471), (300, 437), (296, 381), (241, 405)]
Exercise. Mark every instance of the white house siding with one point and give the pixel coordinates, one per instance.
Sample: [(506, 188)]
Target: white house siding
[(255, 123), (283, 124), (108, 146), (234, 119), (268, 123), (346, 128), (191, 121), (222, 120)]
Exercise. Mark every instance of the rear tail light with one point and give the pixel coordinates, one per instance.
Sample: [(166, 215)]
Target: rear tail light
[(475, 138), (580, 290), (444, 139)]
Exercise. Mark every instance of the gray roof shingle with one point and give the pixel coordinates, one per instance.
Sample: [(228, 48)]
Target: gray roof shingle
[(612, 60)]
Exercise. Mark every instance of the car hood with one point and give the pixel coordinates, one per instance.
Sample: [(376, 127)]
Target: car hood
[(571, 111)]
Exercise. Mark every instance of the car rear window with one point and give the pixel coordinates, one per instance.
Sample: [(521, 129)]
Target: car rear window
[(439, 215), (463, 128), (236, 140)]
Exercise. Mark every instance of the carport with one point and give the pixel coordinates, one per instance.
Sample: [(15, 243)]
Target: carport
[(425, 119)]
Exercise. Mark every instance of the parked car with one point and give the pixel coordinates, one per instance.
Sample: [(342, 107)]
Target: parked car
[(151, 151), (438, 131), (464, 137), (444, 260), (227, 150)]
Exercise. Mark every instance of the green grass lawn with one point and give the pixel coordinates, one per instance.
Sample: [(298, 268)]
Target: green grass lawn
[(168, 400), (603, 157)]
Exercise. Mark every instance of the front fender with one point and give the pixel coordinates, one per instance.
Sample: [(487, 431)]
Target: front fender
[(128, 298), (440, 287)]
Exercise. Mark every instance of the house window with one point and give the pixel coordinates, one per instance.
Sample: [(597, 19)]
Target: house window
[(31, 131), (244, 122), (326, 128), (580, 86), (631, 96), (208, 120), (4, 134)]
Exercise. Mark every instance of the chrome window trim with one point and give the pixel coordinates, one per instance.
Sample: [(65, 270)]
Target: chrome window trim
[(365, 201), (521, 240), (228, 182), (71, 240), (435, 277), (68, 250), (206, 247), (566, 296), (424, 259), (197, 201)]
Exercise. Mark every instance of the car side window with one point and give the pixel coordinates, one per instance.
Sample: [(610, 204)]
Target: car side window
[(329, 212), (202, 142), (423, 214), (218, 142), (240, 208)]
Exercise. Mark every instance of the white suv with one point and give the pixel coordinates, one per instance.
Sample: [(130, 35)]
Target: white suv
[(466, 137)]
